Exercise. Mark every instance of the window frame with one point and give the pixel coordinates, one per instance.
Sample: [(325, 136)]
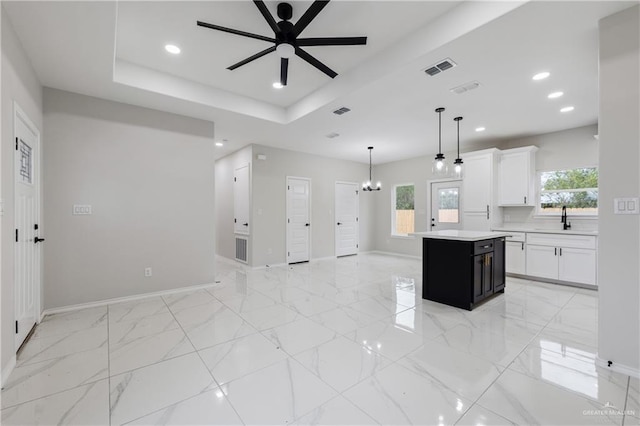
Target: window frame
[(393, 209), (541, 213)]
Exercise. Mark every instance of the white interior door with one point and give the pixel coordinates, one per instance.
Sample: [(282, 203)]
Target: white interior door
[(27, 220), (298, 219), (241, 196), (346, 211), (446, 212)]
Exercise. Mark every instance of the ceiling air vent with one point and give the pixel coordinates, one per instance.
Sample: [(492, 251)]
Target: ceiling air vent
[(341, 111), (465, 87), (442, 65), (333, 135)]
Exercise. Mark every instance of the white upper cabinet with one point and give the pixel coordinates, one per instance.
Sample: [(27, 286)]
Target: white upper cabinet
[(517, 177), (479, 190)]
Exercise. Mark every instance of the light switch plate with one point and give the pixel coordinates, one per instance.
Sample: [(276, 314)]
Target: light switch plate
[(626, 205), (81, 209)]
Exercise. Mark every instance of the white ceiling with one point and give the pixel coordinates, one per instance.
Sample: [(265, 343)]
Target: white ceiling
[(115, 51)]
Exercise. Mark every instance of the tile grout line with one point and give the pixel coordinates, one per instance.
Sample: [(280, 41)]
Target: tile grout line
[(201, 360)]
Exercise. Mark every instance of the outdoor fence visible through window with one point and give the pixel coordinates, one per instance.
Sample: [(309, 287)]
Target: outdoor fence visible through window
[(403, 216)]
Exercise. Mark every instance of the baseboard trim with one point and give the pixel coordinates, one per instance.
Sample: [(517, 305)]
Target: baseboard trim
[(132, 298), (390, 253), (6, 371), (551, 281), (619, 368)]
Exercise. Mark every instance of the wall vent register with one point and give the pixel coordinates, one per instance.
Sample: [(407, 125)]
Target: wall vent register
[(341, 111), (242, 249)]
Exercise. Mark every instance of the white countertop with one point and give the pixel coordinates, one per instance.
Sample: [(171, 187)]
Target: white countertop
[(544, 231), (460, 235)]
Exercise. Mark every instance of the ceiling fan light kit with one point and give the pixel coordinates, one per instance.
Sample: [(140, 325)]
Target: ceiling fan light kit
[(286, 41)]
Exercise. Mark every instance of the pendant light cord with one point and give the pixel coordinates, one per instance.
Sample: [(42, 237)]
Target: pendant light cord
[(458, 138), (439, 132), (370, 149)]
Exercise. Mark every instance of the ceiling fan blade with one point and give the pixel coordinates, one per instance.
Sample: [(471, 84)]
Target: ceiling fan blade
[(237, 32), (332, 41), (252, 58), (308, 16), (284, 69), (267, 15), (316, 63)]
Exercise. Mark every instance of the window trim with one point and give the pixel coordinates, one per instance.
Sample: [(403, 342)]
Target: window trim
[(393, 209), (539, 213)]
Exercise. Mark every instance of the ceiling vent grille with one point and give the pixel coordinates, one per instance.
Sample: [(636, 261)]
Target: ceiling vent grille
[(443, 65), (341, 111), (333, 135), (465, 87)]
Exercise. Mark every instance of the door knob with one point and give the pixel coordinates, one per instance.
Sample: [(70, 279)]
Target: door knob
[(339, 223), (245, 224), (37, 240), (306, 224)]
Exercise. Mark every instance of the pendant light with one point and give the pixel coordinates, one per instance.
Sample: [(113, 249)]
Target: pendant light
[(367, 185), (440, 167), (457, 164)]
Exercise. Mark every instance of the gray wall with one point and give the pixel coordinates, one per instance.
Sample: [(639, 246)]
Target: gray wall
[(565, 149), (619, 238), (558, 150), (149, 177), (225, 167), (267, 243), (20, 84)]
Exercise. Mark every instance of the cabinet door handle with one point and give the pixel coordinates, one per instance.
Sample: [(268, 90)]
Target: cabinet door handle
[(525, 199), (487, 211), (560, 251), (555, 251), (522, 246)]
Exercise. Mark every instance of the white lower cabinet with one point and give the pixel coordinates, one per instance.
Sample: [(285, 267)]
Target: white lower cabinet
[(564, 258), (515, 254), (577, 265)]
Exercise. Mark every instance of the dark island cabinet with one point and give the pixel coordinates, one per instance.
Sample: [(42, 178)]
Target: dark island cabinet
[(462, 273)]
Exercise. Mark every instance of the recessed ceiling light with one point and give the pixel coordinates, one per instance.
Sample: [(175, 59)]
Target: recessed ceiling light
[(277, 85), (541, 76), (555, 95), (480, 129), (567, 109), (219, 144), (172, 48)]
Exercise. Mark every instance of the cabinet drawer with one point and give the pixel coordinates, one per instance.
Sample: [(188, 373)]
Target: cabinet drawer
[(516, 236), (557, 240), (484, 246)]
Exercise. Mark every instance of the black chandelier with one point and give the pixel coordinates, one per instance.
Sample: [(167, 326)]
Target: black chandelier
[(367, 185)]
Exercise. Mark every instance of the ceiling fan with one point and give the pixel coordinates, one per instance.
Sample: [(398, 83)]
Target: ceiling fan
[(286, 41)]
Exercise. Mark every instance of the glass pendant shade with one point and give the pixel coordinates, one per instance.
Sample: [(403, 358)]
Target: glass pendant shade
[(366, 186), (440, 168), (457, 164)]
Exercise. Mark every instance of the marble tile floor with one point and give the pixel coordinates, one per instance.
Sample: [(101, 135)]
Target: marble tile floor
[(339, 341)]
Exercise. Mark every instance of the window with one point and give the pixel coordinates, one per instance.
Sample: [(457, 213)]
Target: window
[(575, 188), (402, 215)]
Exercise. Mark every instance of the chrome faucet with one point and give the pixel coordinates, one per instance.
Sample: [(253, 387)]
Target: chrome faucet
[(563, 218)]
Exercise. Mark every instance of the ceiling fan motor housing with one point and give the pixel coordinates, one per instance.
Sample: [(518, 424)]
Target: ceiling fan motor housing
[(285, 11)]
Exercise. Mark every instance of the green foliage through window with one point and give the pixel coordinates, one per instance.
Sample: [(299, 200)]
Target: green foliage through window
[(404, 197), (577, 189)]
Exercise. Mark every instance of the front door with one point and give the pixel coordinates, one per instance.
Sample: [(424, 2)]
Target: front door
[(27, 221), (298, 219), (445, 205), (346, 209)]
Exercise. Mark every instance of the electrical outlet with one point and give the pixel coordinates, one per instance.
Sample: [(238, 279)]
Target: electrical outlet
[(148, 272)]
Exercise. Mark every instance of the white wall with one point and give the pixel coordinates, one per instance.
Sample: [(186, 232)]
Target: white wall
[(225, 167), (267, 244), (566, 149), (619, 236), (19, 84), (149, 177)]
